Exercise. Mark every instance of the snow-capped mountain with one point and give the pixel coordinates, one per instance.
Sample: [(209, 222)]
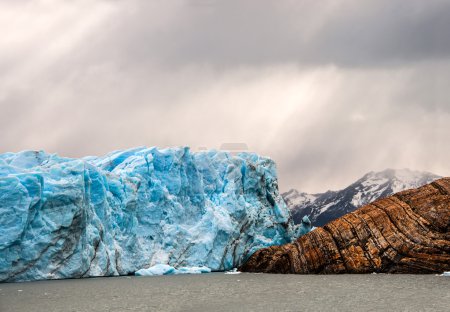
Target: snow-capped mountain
[(325, 207)]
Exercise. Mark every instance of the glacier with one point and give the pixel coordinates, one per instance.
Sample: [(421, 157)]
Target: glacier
[(304, 227), (134, 209)]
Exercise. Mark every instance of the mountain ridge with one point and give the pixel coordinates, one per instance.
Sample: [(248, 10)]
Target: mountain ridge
[(330, 205)]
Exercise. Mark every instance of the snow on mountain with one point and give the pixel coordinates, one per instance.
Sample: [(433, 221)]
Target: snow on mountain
[(136, 209), (295, 198), (325, 207)]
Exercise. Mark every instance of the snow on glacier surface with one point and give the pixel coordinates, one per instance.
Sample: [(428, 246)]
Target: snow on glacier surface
[(129, 210)]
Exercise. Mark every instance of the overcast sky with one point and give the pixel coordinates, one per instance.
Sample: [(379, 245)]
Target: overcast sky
[(328, 89)]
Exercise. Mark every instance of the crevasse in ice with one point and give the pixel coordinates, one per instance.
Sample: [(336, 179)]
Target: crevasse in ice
[(130, 210)]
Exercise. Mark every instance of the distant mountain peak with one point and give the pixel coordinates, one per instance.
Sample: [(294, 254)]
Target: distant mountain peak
[(324, 207)]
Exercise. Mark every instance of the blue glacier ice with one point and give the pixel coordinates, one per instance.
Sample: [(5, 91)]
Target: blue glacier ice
[(157, 269), (133, 209), (165, 269), (304, 227)]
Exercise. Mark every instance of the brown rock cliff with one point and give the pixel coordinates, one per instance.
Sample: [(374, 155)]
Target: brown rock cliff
[(404, 233)]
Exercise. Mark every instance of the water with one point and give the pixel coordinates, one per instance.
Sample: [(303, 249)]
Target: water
[(243, 292)]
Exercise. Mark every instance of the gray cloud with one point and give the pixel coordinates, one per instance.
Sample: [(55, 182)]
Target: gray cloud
[(328, 90), (227, 33)]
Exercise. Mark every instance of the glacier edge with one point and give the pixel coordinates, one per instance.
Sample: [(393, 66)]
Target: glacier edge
[(133, 209)]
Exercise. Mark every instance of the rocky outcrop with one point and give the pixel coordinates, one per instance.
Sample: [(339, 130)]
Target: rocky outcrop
[(405, 233)]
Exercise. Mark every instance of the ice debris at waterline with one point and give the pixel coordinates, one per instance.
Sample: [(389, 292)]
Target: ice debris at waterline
[(114, 215), (233, 272), (165, 269)]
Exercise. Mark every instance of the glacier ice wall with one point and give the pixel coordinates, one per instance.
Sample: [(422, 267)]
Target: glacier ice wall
[(303, 228), (113, 215)]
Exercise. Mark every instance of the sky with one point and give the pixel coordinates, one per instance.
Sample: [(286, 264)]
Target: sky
[(328, 89)]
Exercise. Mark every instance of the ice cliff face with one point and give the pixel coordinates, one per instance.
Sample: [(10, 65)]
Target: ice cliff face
[(113, 215), (325, 207)]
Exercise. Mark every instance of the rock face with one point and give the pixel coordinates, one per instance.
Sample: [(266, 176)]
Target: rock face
[(113, 215), (325, 207), (405, 233)]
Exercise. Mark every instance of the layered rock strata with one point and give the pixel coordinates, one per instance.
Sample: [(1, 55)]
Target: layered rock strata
[(407, 232)]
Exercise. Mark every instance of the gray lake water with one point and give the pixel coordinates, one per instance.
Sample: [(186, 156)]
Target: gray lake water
[(242, 292)]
